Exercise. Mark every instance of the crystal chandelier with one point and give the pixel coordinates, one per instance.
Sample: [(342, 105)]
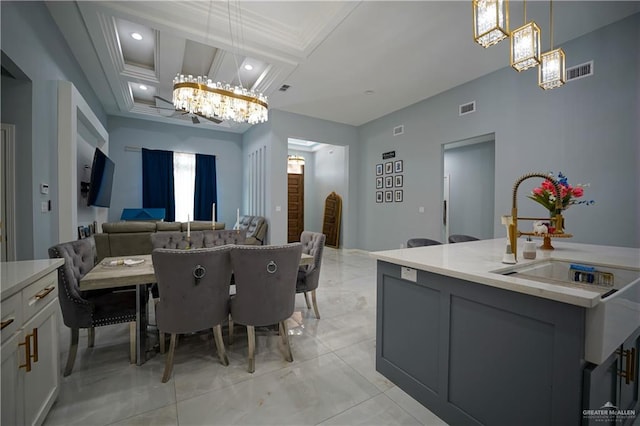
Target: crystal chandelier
[(551, 73), (200, 95), (490, 21), (525, 44)]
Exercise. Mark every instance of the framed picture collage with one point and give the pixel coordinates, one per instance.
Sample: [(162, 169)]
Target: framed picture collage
[(389, 182)]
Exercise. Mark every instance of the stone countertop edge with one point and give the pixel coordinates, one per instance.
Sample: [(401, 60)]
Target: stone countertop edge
[(18, 275), (481, 262)]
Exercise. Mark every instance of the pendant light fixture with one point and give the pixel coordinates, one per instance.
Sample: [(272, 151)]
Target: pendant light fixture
[(551, 73), (490, 21), (200, 95), (525, 44)]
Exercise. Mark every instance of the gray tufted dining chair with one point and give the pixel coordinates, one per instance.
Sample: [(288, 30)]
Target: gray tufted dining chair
[(93, 308), (309, 275), (421, 242), (265, 290), (194, 295), (460, 238)]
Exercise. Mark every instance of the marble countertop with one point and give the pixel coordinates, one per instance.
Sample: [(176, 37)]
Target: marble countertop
[(17, 275), (481, 262)]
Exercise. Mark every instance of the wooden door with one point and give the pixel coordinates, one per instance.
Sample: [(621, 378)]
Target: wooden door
[(331, 221), (295, 206)]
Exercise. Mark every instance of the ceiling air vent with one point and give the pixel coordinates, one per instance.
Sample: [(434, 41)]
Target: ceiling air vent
[(398, 130), (580, 71), (284, 87), (467, 108)]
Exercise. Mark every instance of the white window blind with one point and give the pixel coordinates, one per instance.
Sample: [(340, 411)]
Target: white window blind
[(184, 177)]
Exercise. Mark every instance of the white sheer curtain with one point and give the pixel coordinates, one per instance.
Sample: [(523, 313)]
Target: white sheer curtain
[(184, 177)]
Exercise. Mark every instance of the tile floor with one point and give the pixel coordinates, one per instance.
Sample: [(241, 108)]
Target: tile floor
[(332, 380)]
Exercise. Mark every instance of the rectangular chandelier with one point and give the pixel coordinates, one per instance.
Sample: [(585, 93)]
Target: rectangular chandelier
[(525, 47), (551, 73), (490, 21)]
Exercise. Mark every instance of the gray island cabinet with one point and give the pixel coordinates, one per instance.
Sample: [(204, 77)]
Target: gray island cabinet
[(478, 347)]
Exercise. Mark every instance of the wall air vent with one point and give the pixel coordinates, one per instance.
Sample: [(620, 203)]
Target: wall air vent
[(284, 87), (580, 71), (467, 108), (398, 130)]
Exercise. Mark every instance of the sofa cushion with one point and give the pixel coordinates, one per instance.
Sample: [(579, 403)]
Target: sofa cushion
[(128, 227), (201, 225), (168, 226)]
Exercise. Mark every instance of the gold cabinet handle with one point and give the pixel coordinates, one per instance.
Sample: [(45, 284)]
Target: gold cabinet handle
[(629, 373), (3, 324), (27, 353), (43, 293), (28, 356)]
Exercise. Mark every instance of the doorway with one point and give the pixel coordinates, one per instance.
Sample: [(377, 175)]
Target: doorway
[(295, 198), (469, 187)]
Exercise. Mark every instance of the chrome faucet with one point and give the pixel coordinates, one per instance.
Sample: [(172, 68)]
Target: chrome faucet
[(513, 232)]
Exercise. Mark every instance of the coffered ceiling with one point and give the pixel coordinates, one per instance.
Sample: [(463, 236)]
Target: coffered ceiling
[(344, 61)]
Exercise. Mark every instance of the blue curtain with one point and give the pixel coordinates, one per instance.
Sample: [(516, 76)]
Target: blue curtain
[(157, 182), (206, 192)]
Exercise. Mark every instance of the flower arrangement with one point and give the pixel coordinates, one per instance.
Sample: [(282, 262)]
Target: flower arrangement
[(546, 195)]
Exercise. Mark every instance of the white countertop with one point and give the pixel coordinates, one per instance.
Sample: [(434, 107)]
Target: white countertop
[(478, 261), (17, 275)]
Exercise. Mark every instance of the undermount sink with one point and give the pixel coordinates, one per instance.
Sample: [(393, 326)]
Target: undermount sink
[(614, 318)]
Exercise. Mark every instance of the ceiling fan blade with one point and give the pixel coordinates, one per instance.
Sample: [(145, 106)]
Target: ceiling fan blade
[(215, 120), (163, 99)]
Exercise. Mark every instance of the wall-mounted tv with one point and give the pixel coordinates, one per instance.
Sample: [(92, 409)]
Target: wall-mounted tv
[(101, 180)]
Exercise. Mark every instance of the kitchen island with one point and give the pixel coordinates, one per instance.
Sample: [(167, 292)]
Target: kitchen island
[(478, 344)]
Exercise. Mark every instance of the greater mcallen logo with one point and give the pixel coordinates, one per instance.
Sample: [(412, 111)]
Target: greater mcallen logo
[(609, 412)]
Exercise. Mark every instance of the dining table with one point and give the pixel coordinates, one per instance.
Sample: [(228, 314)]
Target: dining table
[(135, 270)]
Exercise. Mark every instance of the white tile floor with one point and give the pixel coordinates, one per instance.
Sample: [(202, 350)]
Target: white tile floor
[(332, 380)]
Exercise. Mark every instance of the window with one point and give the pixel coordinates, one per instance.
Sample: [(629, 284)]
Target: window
[(184, 175)]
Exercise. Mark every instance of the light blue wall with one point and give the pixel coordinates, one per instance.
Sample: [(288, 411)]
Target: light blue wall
[(275, 133), (127, 184), (471, 176), (33, 42), (587, 129), (16, 110)]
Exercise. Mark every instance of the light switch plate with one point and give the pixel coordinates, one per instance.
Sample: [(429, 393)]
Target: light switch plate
[(44, 188), (409, 274), (44, 206)]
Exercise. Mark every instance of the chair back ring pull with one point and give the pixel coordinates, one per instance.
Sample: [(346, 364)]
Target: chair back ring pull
[(198, 273), (272, 267)]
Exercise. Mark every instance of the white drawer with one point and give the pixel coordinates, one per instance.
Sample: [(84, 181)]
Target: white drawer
[(37, 295), (11, 315)]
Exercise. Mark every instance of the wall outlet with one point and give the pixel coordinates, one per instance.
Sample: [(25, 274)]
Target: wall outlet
[(409, 274)]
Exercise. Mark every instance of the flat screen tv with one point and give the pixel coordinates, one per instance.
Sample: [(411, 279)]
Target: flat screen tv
[(101, 180)]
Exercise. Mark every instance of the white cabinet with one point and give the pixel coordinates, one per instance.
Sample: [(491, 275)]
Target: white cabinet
[(30, 356)]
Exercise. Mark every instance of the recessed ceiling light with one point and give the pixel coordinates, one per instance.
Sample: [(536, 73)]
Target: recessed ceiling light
[(143, 87), (248, 67), (369, 92), (136, 36)]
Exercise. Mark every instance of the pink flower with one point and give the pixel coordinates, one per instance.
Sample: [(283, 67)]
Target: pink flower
[(538, 191), (563, 191), (548, 186), (577, 192)]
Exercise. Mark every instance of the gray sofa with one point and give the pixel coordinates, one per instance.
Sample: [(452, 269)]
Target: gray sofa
[(133, 238)]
